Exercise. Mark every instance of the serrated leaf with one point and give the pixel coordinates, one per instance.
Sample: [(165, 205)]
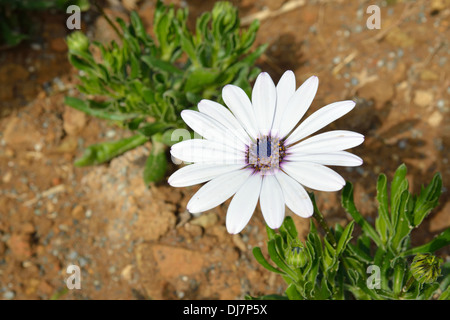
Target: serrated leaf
[(156, 164), (383, 222), (292, 293), (88, 108), (198, 79), (103, 152), (257, 253), (427, 200), (160, 65), (349, 205), (278, 260), (345, 238), (398, 185), (440, 241)]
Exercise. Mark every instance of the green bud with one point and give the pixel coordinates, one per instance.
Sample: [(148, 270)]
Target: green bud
[(295, 254), (426, 268), (77, 41)]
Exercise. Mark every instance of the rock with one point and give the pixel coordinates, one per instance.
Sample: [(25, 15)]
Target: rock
[(423, 98), (9, 295), (13, 73), (58, 45), (399, 38), (2, 248), (205, 220), (438, 5), (126, 273), (440, 220), (155, 221), (7, 177), (428, 75), (6, 92), (20, 133), (381, 90), (74, 121), (20, 246), (68, 145), (161, 266), (45, 288), (435, 119)]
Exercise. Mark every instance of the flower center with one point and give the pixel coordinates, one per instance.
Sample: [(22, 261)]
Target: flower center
[(265, 154)]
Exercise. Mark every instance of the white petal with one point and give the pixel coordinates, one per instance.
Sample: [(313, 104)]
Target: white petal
[(198, 173), (331, 141), (338, 158), (225, 117), (206, 151), (285, 90), (272, 202), (295, 196), (243, 204), (217, 190), (319, 119), (314, 176), (264, 99), (211, 129), (298, 105), (238, 102)]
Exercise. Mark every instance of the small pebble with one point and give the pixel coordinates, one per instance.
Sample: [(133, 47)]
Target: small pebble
[(9, 295)]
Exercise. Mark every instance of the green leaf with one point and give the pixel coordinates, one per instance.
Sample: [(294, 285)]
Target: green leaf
[(278, 260), (445, 295), (292, 293), (383, 222), (398, 185), (103, 152), (345, 238), (399, 274), (403, 226), (442, 240), (151, 129), (200, 78), (257, 253), (89, 108), (349, 205), (156, 164), (427, 200), (289, 226), (160, 65)]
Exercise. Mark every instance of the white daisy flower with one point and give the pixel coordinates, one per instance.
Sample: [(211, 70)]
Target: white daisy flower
[(254, 151)]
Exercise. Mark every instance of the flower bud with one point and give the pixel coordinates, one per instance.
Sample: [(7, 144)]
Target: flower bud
[(78, 41), (295, 254), (426, 268)]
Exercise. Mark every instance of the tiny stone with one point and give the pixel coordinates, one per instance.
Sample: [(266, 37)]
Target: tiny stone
[(9, 295)]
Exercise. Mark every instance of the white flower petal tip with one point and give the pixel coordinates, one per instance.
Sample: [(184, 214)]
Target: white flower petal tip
[(298, 104)]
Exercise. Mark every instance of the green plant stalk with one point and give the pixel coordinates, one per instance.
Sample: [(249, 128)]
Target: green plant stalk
[(408, 285), (320, 219)]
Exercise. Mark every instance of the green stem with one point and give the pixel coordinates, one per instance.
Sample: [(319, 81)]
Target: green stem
[(407, 286), (108, 19), (320, 219)]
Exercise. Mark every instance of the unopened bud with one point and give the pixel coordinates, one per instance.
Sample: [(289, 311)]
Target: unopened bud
[(78, 41), (426, 268), (295, 254)]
